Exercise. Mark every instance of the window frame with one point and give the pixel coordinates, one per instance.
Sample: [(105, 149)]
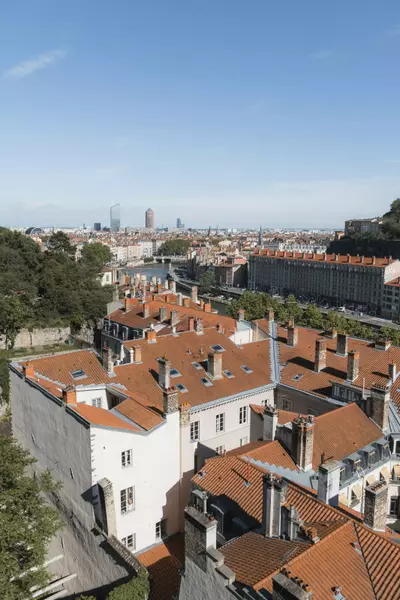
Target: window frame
[(125, 495), (126, 457), (193, 426), (220, 423), (220, 450), (131, 545), (160, 529), (243, 420), (97, 401)]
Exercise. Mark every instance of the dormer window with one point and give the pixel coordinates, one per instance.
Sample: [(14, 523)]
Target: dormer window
[(79, 374)]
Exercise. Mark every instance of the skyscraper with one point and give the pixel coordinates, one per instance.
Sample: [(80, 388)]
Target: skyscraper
[(115, 218), (179, 224), (260, 238), (149, 218), (97, 226)]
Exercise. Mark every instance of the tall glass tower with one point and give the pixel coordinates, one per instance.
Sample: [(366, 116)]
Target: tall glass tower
[(115, 218)]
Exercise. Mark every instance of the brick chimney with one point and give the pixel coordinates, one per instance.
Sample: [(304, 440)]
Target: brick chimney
[(129, 303), (170, 401), (286, 587), (193, 293), (151, 336), (353, 365), (191, 323), (174, 318), (341, 344), (107, 359), (146, 310), (214, 365), (376, 505), (329, 482), (392, 371), (186, 302), (207, 307), (200, 536), (198, 325), (162, 315), (379, 405), (303, 442), (135, 354), (270, 422), (240, 314), (292, 335), (164, 373), (274, 496), (320, 355), (28, 370), (69, 395), (179, 299)]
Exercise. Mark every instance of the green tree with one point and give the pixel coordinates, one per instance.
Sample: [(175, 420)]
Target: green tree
[(4, 378), (207, 282), (293, 309), (137, 588), (13, 316), (60, 242), (28, 523), (312, 317), (96, 256), (174, 247)]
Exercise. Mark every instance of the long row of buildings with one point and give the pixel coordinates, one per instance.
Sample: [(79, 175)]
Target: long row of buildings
[(281, 440)]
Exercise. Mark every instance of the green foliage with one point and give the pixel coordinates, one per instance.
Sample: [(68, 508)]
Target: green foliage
[(207, 281), (28, 523), (174, 247), (96, 255), (59, 242), (390, 228), (4, 379), (13, 314), (137, 588)]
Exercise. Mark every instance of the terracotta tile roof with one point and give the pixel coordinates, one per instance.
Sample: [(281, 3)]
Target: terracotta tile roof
[(284, 416), (163, 563), (244, 449), (143, 416), (101, 416), (272, 453), (141, 380), (362, 261), (252, 555), (341, 432)]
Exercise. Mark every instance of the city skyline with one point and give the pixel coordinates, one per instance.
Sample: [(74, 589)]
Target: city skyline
[(297, 118)]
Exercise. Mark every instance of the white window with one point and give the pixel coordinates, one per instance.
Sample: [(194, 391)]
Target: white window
[(96, 402), (244, 441), (194, 431), (220, 450), (219, 422), (127, 500), (160, 529), (126, 458), (130, 541), (242, 415)]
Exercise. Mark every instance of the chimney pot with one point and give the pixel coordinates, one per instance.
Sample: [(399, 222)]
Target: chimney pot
[(174, 318), (193, 294), (320, 355), (164, 373), (353, 365), (214, 365), (146, 310), (303, 442), (170, 400), (341, 345), (69, 395), (207, 307), (292, 336)]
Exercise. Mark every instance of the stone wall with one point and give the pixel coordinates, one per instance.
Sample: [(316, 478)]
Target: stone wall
[(39, 337)]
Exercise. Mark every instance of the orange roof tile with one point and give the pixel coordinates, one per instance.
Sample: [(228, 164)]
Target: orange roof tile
[(101, 416), (284, 416), (143, 416), (362, 261), (272, 453), (163, 563)]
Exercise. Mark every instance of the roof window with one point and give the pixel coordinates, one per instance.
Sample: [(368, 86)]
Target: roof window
[(78, 374), (181, 388), (298, 376), (206, 382), (197, 366), (246, 369), (217, 348), (175, 373), (228, 374)]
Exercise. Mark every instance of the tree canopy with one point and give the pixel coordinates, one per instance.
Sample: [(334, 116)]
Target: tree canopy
[(174, 247), (206, 282), (137, 588), (28, 523), (49, 288)]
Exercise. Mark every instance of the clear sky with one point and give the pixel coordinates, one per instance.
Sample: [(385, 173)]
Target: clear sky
[(236, 112)]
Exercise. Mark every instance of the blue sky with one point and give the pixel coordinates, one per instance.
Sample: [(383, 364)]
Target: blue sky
[(237, 112)]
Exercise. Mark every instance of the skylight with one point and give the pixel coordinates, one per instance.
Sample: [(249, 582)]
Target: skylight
[(79, 374), (197, 366), (228, 374), (298, 376), (175, 373), (181, 388), (218, 348), (206, 382), (246, 369)]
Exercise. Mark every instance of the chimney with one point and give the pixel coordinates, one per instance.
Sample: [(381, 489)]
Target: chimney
[(341, 344), (320, 355), (336, 257), (382, 344), (172, 287), (207, 307), (174, 318), (286, 587), (374, 260), (146, 310), (193, 293), (151, 336), (191, 323), (198, 325), (220, 329), (271, 316), (329, 482), (214, 365), (379, 405), (170, 401), (179, 300), (108, 363), (270, 422), (28, 370), (353, 365), (334, 334), (292, 335), (392, 371), (303, 442), (376, 505), (166, 284), (274, 495), (164, 373), (69, 395), (200, 536), (129, 303), (240, 314), (135, 354), (201, 304), (186, 302), (162, 316)]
